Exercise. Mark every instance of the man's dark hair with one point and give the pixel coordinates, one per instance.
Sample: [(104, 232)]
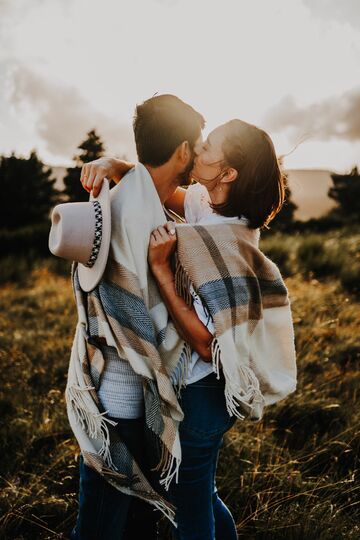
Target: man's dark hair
[(161, 124)]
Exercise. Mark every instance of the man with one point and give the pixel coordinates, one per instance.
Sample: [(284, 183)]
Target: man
[(130, 347)]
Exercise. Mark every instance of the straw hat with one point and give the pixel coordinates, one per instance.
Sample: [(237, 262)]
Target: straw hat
[(80, 231)]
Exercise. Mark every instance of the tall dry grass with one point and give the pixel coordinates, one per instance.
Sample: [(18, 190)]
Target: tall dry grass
[(293, 476)]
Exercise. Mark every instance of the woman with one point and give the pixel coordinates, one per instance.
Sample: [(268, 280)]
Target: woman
[(239, 190)]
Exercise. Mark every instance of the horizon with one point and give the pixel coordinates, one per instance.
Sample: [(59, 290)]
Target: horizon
[(229, 60), (311, 197)]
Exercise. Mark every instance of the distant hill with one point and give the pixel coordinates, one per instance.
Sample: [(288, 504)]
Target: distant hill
[(309, 190), (58, 174)]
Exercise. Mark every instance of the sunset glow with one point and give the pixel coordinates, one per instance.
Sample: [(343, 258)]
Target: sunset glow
[(291, 67)]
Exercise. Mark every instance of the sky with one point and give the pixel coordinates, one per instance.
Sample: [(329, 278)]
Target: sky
[(291, 67)]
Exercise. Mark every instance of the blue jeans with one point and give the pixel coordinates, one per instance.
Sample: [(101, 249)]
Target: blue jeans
[(201, 514), (106, 513)]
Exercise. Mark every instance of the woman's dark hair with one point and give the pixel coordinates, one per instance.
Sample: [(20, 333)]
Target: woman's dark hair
[(161, 124), (258, 192)]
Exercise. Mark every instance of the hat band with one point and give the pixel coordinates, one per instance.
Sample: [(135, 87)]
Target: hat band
[(98, 235)]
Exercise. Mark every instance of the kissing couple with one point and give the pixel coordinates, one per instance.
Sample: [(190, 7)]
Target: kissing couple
[(184, 325)]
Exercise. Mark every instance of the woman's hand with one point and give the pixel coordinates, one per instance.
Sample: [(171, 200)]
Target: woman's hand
[(161, 248), (94, 172), (162, 245)]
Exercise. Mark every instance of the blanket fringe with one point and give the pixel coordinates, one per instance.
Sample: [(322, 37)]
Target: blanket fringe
[(170, 471), (179, 375), (248, 395), (183, 283), (95, 424), (216, 355), (169, 466), (164, 508), (160, 504)]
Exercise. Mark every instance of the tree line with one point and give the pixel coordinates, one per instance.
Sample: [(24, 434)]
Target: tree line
[(30, 191), (29, 186)]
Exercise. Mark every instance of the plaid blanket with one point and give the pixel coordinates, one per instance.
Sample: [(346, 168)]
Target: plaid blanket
[(248, 301), (253, 341), (126, 311)]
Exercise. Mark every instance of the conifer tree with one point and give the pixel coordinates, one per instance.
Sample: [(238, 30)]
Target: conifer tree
[(91, 148), (28, 191), (346, 192)]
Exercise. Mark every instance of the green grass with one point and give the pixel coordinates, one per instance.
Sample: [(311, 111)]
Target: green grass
[(327, 255), (293, 476), (296, 474)]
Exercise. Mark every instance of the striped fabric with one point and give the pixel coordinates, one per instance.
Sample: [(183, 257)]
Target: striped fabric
[(247, 299), (125, 312), (120, 389), (253, 342)]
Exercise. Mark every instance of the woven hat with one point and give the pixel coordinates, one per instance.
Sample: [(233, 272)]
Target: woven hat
[(80, 231)]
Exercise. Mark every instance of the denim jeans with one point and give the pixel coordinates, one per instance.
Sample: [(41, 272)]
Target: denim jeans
[(201, 514), (106, 513)]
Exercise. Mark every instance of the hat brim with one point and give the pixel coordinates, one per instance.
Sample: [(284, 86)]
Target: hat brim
[(90, 277)]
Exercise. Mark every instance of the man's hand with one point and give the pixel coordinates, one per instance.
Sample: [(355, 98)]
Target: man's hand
[(94, 172), (162, 246)]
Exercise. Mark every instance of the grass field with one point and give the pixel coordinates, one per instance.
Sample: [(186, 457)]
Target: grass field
[(295, 475)]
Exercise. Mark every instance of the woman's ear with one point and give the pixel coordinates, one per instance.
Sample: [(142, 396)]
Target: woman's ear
[(230, 175)]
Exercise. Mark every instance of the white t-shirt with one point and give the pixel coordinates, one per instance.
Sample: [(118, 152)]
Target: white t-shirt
[(198, 211)]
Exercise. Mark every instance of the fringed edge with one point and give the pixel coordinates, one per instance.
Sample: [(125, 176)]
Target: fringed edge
[(95, 424), (183, 283), (169, 466), (248, 397), (179, 375), (170, 470), (168, 512), (159, 502), (216, 355)]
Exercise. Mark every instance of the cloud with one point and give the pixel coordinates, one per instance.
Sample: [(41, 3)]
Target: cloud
[(338, 10), (168, 3), (63, 116), (334, 118), (10, 10)]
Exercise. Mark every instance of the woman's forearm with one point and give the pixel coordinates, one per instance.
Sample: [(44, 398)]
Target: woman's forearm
[(94, 172), (185, 318), (119, 168)]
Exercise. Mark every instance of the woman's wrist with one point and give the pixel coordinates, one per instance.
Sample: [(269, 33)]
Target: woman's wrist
[(120, 168), (163, 274)]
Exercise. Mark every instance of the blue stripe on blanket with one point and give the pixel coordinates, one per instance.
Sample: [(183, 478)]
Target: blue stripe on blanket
[(227, 288), (245, 290), (216, 293), (160, 337), (272, 288), (129, 310)]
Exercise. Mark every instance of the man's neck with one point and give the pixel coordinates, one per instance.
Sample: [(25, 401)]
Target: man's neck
[(165, 180)]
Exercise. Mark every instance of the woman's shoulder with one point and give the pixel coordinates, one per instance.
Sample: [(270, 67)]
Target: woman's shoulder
[(197, 203), (196, 188)]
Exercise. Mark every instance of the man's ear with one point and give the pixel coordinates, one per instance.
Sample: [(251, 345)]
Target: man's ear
[(230, 175), (184, 152)]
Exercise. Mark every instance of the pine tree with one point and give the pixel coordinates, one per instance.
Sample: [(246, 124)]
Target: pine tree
[(90, 149), (346, 192), (28, 190)]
